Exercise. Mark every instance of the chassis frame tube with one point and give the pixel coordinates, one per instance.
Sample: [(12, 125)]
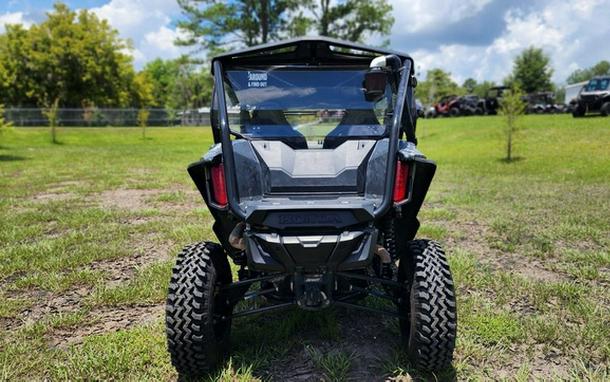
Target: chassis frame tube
[(401, 102)]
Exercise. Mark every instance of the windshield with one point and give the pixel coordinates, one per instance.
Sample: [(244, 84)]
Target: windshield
[(597, 84), (307, 109)]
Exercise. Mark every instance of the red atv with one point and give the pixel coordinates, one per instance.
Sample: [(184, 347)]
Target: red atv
[(447, 107)]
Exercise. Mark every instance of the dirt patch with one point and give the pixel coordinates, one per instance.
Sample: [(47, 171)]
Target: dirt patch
[(471, 237), (530, 269), (106, 321), (135, 199), (53, 197), (302, 367), (130, 199), (59, 191), (540, 362), (54, 187), (119, 270), (142, 171), (188, 205), (46, 304), (365, 338)]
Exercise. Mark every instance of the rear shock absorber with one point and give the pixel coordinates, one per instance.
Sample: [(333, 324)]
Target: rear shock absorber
[(388, 270), (389, 238)]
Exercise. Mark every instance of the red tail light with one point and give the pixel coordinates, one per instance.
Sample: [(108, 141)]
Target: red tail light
[(400, 182), (219, 190)]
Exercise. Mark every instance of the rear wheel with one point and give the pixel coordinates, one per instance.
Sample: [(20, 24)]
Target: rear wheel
[(454, 112), (579, 111), (605, 110), (427, 306), (197, 337)]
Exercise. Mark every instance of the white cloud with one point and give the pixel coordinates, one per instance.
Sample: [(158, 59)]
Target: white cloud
[(162, 40), (13, 18), (148, 23), (419, 15), (574, 35)]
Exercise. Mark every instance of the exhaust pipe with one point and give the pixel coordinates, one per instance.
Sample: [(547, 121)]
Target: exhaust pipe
[(236, 238), (383, 254)]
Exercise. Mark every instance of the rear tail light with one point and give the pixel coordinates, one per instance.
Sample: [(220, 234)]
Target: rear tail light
[(219, 188), (400, 182)]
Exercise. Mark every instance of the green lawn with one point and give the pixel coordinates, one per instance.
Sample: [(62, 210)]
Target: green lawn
[(89, 229)]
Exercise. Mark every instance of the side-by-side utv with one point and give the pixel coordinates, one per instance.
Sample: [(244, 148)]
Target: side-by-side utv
[(594, 97), (314, 183)]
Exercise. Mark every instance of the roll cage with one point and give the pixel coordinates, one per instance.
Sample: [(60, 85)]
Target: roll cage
[(312, 52)]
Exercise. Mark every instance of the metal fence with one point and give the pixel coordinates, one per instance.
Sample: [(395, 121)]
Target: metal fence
[(95, 117)]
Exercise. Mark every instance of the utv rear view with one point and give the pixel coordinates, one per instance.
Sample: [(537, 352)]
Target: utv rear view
[(314, 183)]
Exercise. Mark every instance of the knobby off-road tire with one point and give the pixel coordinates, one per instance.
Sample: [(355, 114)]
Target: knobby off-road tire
[(196, 339), (605, 109), (578, 112), (427, 305)]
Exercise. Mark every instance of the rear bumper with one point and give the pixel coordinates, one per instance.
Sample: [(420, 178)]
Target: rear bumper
[(272, 252)]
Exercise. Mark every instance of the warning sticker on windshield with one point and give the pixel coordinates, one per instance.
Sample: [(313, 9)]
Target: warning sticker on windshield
[(257, 79)]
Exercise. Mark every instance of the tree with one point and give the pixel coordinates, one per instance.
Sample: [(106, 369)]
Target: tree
[(193, 87), (71, 57), (532, 71), (179, 83), (602, 68), (4, 125), (212, 24), (511, 106), (352, 20), (162, 75), (437, 85), (469, 85), (481, 88), (51, 112), (143, 115), (142, 90)]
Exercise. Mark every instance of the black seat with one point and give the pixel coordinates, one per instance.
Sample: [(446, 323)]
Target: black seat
[(354, 122), (273, 125)]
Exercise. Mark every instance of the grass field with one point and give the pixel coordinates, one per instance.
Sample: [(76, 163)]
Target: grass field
[(89, 228)]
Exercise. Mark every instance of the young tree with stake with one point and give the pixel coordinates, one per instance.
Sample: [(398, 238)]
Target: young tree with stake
[(511, 107)]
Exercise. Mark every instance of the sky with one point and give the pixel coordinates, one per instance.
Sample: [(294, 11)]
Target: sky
[(468, 38)]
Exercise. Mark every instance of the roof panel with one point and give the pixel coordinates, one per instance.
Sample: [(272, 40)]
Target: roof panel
[(305, 50)]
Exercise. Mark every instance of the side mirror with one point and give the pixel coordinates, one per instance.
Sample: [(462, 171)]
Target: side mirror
[(375, 81)]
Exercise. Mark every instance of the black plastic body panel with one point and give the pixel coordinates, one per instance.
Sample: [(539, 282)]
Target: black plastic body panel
[(310, 214), (272, 252)]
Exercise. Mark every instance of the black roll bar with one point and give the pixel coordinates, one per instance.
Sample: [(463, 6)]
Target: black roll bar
[(394, 137), (226, 145), (229, 159)]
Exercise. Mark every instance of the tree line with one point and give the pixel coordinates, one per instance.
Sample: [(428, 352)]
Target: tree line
[(73, 59)]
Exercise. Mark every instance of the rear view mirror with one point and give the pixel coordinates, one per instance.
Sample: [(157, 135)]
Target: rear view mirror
[(375, 81)]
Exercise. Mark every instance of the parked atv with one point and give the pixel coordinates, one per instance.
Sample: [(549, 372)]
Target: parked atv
[(593, 98), (471, 105), (492, 99), (542, 103), (454, 106), (447, 107), (315, 190)]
